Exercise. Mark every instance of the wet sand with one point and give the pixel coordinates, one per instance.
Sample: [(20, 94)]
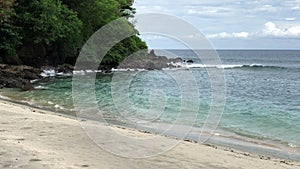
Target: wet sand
[(32, 138)]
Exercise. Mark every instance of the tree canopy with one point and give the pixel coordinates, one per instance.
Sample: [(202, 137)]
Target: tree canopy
[(52, 32)]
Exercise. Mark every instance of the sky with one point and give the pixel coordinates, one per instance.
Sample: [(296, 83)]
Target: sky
[(231, 24)]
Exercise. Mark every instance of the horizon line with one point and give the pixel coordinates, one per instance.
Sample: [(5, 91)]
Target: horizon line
[(224, 49)]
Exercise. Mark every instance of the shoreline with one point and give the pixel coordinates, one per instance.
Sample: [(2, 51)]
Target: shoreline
[(220, 138), (56, 118)]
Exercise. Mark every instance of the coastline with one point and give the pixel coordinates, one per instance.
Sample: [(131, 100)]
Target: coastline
[(35, 138), (265, 148)]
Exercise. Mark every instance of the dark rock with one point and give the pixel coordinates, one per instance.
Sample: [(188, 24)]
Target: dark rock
[(30, 75), (152, 53), (27, 86), (176, 60), (65, 68), (18, 76), (2, 66), (150, 66), (149, 62)]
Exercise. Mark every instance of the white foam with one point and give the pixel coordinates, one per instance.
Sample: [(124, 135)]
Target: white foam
[(89, 71), (292, 145), (58, 107), (125, 70), (217, 134), (195, 65), (84, 72), (48, 73), (4, 97), (54, 73), (49, 102), (79, 72), (33, 81), (64, 74), (41, 87)]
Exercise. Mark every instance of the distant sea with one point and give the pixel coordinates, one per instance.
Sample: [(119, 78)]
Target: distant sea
[(262, 100)]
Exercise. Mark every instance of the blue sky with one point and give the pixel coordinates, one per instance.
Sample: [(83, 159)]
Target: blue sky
[(232, 24)]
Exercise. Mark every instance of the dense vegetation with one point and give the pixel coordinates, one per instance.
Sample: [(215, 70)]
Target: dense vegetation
[(52, 32)]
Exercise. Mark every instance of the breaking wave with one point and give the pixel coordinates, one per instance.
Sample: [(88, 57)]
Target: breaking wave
[(253, 66)]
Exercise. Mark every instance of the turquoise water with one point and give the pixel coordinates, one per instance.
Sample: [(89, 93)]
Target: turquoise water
[(262, 100)]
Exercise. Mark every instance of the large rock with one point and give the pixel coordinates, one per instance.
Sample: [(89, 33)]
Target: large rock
[(149, 62), (65, 68), (18, 76)]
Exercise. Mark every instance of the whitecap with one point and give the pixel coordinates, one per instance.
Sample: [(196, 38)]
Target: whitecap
[(58, 107), (41, 87), (49, 102), (33, 81), (78, 72), (64, 74), (48, 73), (292, 145), (4, 97)]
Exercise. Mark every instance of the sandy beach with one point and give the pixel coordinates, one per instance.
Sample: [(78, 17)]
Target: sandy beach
[(32, 138)]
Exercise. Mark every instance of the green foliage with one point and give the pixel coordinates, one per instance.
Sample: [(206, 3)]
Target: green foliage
[(126, 9), (6, 10), (123, 49), (46, 21), (10, 38), (61, 27), (97, 13)]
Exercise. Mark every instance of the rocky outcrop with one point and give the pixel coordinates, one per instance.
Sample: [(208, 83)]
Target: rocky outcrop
[(150, 62), (18, 76), (65, 68)]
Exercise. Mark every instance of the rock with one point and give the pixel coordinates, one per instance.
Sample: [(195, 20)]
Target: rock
[(152, 53), (27, 86), (30, 75), (176, 60), (18, 76), (150, 66), (65, 68), (2, 66), (150, 62)]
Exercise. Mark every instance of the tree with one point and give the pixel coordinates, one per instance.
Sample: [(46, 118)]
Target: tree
[(51, 32), (10, 38), (47, 24), (97, 13)]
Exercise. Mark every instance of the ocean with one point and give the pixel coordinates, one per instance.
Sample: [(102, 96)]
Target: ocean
[(262, 105)]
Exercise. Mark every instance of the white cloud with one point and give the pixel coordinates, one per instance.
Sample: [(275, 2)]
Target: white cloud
[(270, 30), (235, 20), (229, 35), (289, 19), (208, 10), (267, 8), (296, 7)]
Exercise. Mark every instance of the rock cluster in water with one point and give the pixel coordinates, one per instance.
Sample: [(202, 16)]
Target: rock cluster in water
[(150, 62), (18, 76), (21, 76), (12, 76)]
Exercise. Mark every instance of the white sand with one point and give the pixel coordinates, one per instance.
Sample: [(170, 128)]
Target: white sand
[(36, 139)]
